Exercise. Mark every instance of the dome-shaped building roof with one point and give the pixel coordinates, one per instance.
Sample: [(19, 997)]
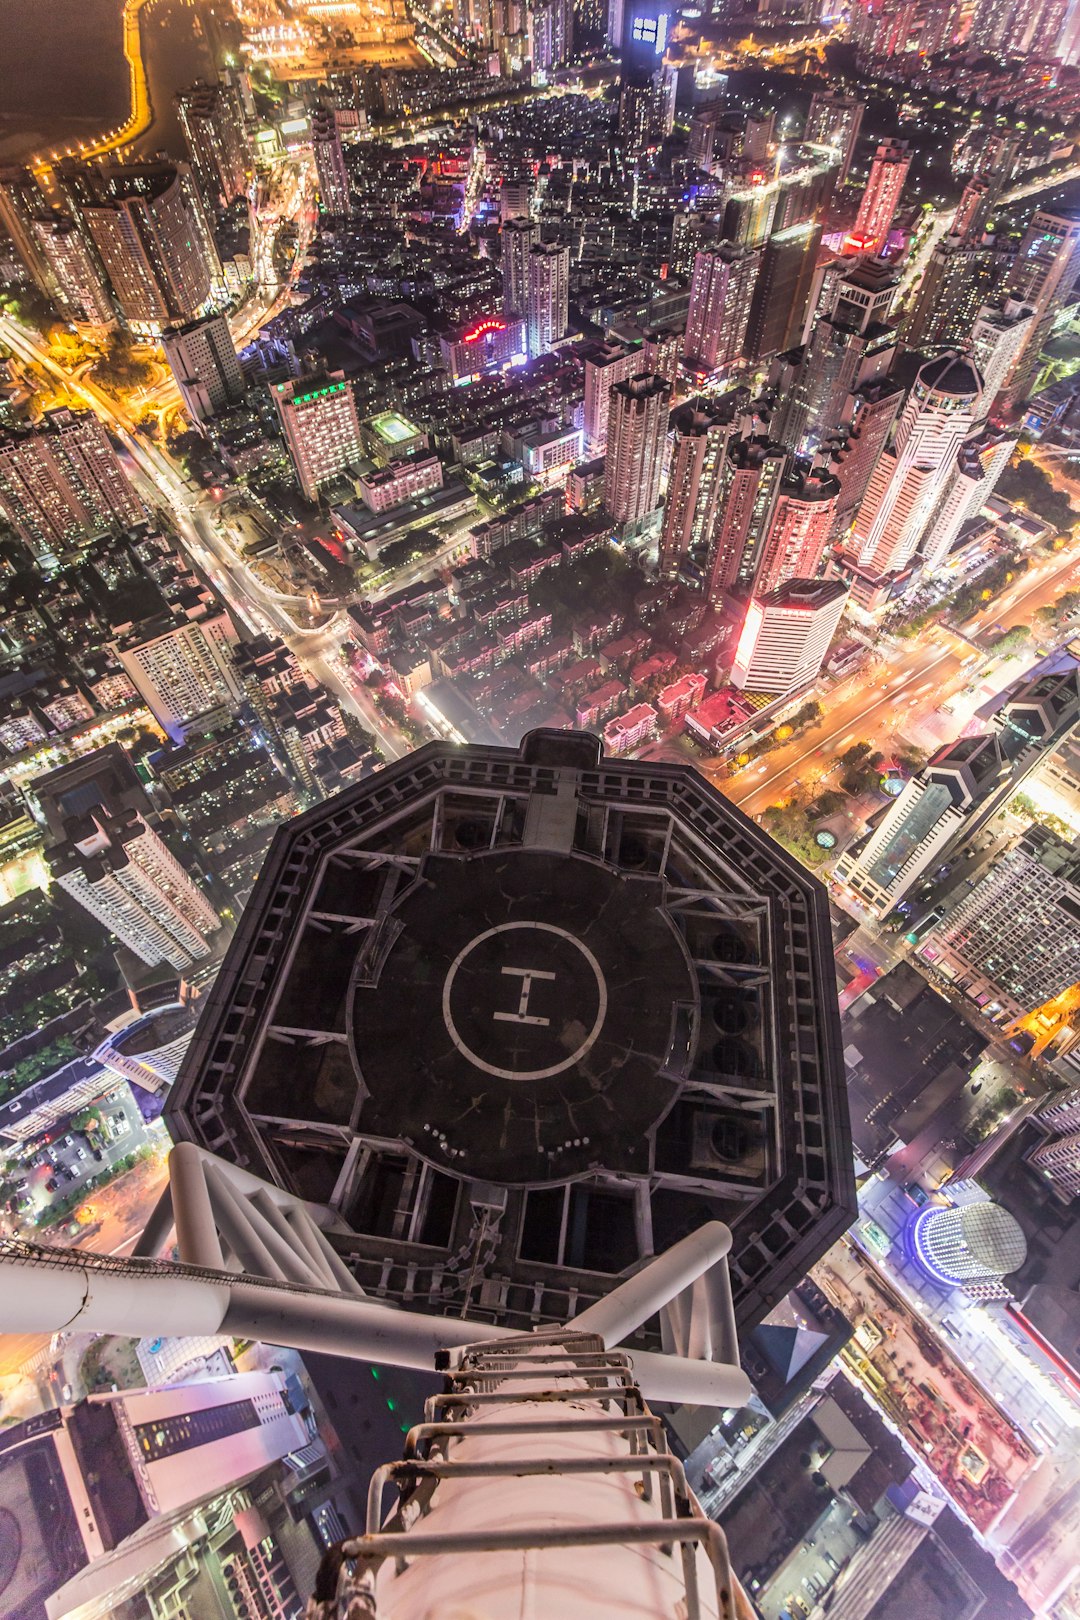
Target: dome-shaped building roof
[(952, 374)]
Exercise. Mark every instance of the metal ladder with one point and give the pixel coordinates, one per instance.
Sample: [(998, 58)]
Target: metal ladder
[(557, 1368)]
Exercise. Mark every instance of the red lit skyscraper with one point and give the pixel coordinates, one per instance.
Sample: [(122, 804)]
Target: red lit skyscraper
[(881, 198), (700, 440), (798, 534)]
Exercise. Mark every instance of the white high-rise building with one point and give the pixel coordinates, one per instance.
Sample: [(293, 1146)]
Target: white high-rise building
[(151, 229), (908, 480), (202, 359), (80, 282), (548, 312), (980, 462), (120, 871), (786, 635), (998, 336), (637, 431), (1043, 275), (699, 442), (183, 672), (322, 429)]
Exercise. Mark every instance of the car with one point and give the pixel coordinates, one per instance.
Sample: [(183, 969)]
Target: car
[(50, 1185), (98, 1155), (80, 1153)]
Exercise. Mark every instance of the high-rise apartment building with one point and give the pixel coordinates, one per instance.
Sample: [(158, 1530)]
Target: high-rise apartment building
[(646, 110), (661, 351), (605, 365), (212, 121), (1013, 941), (786, 635), (183, 671), (120, 871), (518, 238), (322, 429), (202, 359), (150, 227), (782, 291), (21, 203), (62, 482), (552, 33), (1059, 1161), (998, 335), (749, 489), (547, 315), (634, 463), (1043, 276), (80, 289), (799, 531), (335, 193), (834, 121), (721, 292), (908, 480), (700, 439), (881, 196)]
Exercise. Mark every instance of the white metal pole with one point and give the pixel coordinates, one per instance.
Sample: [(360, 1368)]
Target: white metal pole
[(643, 1294)]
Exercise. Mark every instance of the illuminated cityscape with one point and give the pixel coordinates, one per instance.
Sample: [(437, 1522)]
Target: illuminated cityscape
[(540, 809)]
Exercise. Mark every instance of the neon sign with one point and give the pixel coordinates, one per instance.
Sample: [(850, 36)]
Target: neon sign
[(484, 329)]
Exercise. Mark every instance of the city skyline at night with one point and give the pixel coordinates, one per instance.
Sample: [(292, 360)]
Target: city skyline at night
[(540, 808)]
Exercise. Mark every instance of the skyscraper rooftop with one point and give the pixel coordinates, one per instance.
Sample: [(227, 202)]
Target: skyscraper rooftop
[(526, 1017)]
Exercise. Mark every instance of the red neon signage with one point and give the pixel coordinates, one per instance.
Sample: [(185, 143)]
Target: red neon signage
[(483, 328)]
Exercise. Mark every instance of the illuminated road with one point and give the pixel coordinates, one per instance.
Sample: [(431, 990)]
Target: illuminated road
[(866, 711), (161, 482)]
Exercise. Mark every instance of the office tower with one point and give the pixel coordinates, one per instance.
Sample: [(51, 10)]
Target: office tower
[(120, 871), (203, 361), (62, 482), (183, 671), (333, 177), (786, 635), (961, 789), (799, 530), (518, 238), (998, 335), (908, 480), (749, 489), (881, 197), (1059, 1160), (1013, 941), (213, 126), (21, 203), (322, 429), (700, 438), (968, 1244), (758, 136), (145, 1490), (151, 230), (721, 291), (863, 296), (1062, 1111), (782, 291), (646, 110), (834, 121), (548, 310), (603, 1008), (634, 462), (605, 364), (819, 382), (980, 462), (1043, 276), (515, 198), (79, 287), (856, 449)]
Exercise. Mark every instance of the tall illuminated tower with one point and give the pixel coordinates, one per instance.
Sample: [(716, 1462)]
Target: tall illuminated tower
[(699, 443), (548, 310), (881, 196), (518, 238), (634, 463), (334, 192), (834, 121), (151, 229), (1043, 276), (721, 292)]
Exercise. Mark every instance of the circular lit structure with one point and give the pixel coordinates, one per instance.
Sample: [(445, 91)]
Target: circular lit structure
[(975, 1243)]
